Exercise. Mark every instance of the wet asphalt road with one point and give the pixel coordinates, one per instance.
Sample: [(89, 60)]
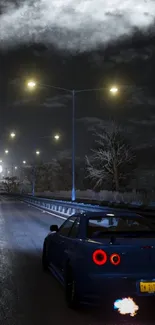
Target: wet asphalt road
[(28, 296)]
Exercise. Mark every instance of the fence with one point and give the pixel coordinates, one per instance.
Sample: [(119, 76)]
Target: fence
[(131, 197), (61, 207), (68, 208)]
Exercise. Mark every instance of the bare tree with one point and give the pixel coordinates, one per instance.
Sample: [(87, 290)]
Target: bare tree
[(111, 159), (11, 184), (65, 174), (48, 175), (43, 175)]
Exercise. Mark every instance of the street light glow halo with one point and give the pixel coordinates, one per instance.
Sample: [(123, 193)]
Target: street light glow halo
[(12, 134), (31, 84), (57, 137), (114, 90)]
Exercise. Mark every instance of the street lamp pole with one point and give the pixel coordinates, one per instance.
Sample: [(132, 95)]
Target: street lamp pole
[(33, 181), (34, 175), (12, 169), (113, 90), (73, 146)]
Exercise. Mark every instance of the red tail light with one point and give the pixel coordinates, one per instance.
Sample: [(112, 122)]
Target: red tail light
[(115, 259), (100, 257)]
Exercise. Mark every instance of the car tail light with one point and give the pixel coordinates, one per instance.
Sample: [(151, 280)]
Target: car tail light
[(115, 259), (100, 257)]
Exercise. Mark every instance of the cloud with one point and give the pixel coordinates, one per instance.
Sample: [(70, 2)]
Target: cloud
[(55, 101), (143, 146), (144, 122), (64, 154), (73, 25), (23, 102), (139, 96), (55, 105), (97, 124), (92, 122), (131, 54), (132, 129)]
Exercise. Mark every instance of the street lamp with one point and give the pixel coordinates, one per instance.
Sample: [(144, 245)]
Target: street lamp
[(12, 135), (37, 152), (32, 84), (24, 162), (57, 137), (6, 151), (16, 167), (114, 90)]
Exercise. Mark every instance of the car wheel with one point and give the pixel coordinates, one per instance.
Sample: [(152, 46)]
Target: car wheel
[(44, 258), (71, 295)]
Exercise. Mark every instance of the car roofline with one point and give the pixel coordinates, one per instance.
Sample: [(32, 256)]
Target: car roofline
[(108, 213)]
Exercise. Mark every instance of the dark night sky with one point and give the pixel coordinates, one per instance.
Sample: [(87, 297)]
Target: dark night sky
[(127, 61)]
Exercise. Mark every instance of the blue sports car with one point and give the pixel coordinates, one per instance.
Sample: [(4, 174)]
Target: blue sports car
[(97, 254)]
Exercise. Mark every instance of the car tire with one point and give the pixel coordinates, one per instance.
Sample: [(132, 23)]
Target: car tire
[(71, 295), (44, 258)]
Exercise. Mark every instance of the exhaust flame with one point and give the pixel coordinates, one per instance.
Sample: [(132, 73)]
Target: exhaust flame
[(126, 306)]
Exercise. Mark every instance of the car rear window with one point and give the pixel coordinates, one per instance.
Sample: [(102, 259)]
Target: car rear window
[(99, 226)]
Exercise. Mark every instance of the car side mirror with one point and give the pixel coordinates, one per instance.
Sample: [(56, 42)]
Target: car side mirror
[(54, 228)]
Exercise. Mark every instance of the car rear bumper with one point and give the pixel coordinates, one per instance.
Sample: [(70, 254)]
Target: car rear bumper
[(99, 287)]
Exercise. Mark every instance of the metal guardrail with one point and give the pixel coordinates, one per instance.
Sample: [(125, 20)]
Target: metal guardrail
[(67, 208), (61, 207)]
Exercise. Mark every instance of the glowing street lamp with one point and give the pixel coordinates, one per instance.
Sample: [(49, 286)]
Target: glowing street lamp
[(57, 137), (6, 151), (24, 162), (37, 152), (12, 135), (114, 90), (31, 84), (16, 167), (8, 172)]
